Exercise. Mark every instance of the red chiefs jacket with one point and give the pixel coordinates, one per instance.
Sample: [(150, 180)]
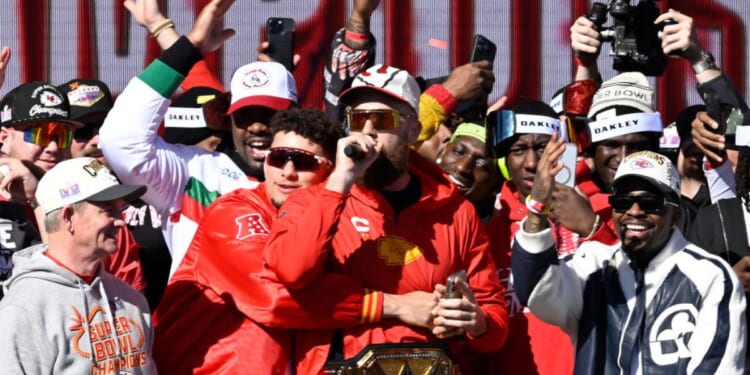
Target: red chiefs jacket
[(533, 347), (223, 313), (359, 234)]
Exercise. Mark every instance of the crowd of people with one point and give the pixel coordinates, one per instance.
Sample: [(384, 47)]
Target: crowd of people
[(401, 227)]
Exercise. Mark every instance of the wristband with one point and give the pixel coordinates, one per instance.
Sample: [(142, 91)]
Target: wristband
[(597, 222), (584, 61), (709, 164), (356, 36), (166, 24), (706, 62), (537, 208)]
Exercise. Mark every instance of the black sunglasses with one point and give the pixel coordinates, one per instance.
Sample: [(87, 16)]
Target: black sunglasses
[(648, 203), (303, 160), (87, 132)]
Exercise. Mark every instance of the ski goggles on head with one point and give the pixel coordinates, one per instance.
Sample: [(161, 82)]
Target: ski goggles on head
[(277, 157), (381, 119), (42, 133), (647, 203)]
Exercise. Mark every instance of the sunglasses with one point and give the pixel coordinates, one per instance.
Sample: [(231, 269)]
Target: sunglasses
[(41, 134), (86, 133), (303, 161), (381, 119), (648, 203)]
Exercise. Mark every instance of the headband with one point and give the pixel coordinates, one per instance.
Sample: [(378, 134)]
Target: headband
[(625, 124), (470, 130), (181, 117)]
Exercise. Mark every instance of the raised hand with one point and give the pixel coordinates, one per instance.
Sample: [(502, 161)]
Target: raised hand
[(263, 56), (572, 209), (679, 37), (547, 168), (4, 59), (349, 170), (18, 179), (710, 143), (365, 7), (208, 33), (584, 38), (470, 81), (145, 12)]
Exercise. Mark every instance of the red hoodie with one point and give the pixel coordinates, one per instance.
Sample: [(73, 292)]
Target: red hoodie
[(360, 235), (224, 313)]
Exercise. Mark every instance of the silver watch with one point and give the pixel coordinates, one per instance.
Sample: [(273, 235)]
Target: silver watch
[(706, 62)]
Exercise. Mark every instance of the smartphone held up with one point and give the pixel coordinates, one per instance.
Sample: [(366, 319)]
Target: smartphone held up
[(280, 34)]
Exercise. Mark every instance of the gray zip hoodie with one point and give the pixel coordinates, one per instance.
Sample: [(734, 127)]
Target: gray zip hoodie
[(52, 322)]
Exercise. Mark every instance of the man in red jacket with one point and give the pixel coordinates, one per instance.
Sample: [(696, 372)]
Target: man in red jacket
[(223, 312), (393, 221)]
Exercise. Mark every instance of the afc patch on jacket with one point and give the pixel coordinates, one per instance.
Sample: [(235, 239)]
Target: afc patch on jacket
[(251, 225)]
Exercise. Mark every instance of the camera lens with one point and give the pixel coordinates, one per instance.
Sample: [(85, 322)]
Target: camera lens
[(276, 26)]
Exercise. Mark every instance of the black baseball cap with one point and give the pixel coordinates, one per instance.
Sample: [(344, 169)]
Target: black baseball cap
[(90, 100), (34, 102)]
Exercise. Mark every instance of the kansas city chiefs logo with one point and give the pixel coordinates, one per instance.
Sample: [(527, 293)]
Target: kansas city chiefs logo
[(641, 163), (50, 99)]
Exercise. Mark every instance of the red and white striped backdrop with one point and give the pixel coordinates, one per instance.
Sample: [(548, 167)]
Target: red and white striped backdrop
[(57, 40)]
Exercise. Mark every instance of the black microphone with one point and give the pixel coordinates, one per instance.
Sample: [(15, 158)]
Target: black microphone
[(354, 152)]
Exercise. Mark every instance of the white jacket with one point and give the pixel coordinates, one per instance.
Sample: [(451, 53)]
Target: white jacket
[(182, 180), (694, 306)]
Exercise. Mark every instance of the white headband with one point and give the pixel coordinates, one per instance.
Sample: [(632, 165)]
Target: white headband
[(534, 124), (625, 124), (177, 117)]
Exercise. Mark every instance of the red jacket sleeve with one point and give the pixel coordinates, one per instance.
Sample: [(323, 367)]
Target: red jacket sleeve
[(301, 237), (231, 239), (125, 264), (485, 283), (200, 75)]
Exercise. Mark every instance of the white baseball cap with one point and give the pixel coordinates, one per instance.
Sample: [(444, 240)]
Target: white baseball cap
[(262, 83), (655, 168), (82, 179), (391, 81)]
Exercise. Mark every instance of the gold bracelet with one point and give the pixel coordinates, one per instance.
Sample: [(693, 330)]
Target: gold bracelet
[(597, 222), (166, 24)]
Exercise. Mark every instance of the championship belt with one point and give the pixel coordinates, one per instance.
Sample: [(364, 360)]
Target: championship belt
[(396, 359)]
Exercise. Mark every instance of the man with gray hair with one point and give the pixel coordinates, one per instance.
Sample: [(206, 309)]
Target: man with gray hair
[(62, 311)]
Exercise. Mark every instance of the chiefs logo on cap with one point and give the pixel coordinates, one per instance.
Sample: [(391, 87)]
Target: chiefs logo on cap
[(50, 99), (641, 164)]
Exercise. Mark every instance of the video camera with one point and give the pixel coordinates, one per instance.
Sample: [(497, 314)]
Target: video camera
[(635, 39)]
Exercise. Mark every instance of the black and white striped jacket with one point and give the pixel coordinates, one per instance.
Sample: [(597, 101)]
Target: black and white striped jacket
[(694, 313)]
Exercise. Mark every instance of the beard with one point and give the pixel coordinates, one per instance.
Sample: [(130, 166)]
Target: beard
[(388, 167)]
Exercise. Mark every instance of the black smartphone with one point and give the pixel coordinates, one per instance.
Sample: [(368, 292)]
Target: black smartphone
[(280, 34), (483, 49), (451, 291)]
